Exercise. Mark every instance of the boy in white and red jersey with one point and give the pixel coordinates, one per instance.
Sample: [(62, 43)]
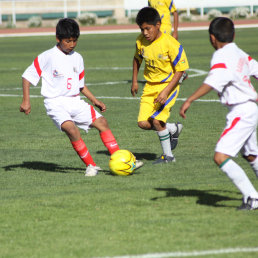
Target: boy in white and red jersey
[(229, 75), (62, 73)]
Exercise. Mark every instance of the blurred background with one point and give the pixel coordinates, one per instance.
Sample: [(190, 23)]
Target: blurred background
[(45, 13)]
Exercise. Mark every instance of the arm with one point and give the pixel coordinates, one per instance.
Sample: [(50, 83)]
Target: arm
[(201, 91), (136, 67), (86, 92), (163, 95), (175, 23), (25, 105)]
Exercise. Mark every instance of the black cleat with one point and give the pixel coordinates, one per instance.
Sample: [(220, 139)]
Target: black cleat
[(163, 159)]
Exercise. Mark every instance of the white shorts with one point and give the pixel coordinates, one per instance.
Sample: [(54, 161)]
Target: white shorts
[(74, 109), (240, 135)]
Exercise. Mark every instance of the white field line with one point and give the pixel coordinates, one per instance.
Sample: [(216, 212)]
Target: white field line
[(105, 97), (193, 253), (197, 72), (118, 31)]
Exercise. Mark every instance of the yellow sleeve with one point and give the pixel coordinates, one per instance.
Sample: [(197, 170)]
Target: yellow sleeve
[(137, 53), (178, 56), (171, 6)]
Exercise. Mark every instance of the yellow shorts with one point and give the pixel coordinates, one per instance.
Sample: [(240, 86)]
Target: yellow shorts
[(149, 110)]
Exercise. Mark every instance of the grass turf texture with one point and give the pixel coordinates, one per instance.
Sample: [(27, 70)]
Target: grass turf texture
[(48, 207)]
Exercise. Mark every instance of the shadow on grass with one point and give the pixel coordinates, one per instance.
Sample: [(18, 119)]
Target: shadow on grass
[(139, 156), (44, 166), (205, 197)]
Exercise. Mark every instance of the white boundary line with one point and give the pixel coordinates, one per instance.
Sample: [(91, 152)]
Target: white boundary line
[(105, 97), (193, 253), (197, 72), (118, 31)]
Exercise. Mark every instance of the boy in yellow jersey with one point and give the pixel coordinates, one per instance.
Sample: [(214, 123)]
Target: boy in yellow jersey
[(165, 62), (165, 8)]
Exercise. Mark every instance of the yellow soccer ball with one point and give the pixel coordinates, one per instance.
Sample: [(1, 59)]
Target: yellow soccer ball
[(122, 163)]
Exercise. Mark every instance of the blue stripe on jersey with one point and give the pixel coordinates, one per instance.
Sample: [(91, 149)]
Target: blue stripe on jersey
[(162, 107), (167, 77), (178, 56), (162, 16), (171, 4)]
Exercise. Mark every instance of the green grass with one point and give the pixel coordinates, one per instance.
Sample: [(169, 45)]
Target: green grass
[(49, 209)]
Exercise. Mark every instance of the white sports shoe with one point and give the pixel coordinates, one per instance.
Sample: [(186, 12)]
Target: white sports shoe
[(138, 164), (251, 204), (92, 171), (174, 136)]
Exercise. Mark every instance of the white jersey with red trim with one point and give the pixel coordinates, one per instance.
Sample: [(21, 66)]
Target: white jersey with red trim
[(230, 73), (62, 74)]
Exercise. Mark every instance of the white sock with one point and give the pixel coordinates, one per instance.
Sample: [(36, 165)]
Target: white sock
[(164, 138), (171, 127), (254, 165), (239, 179)]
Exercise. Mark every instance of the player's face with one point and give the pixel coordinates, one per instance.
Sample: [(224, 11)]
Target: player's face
[(150, 32), (67, 45)]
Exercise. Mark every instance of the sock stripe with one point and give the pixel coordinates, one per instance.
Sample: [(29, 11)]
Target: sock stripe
[(164, 138), (224, 162)]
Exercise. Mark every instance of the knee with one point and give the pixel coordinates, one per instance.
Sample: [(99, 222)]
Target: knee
[(158, 125), (250, 158), (145, 125), (100, 124), (219, 158), (71, 130)]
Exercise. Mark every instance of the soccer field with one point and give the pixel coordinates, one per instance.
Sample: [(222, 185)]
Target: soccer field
[(50, 209)]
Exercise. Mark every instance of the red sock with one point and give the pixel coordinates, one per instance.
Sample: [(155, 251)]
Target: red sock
[(109, 141), (82, 151)]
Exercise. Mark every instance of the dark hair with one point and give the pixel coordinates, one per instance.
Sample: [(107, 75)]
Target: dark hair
[(148, 15), (67, 28), (223, 29)]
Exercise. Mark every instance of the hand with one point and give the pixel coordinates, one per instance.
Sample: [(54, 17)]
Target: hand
[(134, 89), (184, 108), (162, 98), (25, 107), (175, 35), (100, 105)]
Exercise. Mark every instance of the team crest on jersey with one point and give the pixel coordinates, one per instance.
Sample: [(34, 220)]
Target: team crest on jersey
[(57, 74), (160, 56)]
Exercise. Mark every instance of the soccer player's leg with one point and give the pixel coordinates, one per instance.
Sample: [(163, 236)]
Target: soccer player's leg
[(106, 135), (160, 115), (80, 147), (174, 129), (232, 140), (164, 138), (250, 152)]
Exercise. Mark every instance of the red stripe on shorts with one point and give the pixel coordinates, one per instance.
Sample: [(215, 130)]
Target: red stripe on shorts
[(219, 65), (93, 114), (250, 58), (36, 64), (235, 121)]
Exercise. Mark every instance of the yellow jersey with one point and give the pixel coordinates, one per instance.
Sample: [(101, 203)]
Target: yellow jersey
[(164, 8), (163, 57)]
